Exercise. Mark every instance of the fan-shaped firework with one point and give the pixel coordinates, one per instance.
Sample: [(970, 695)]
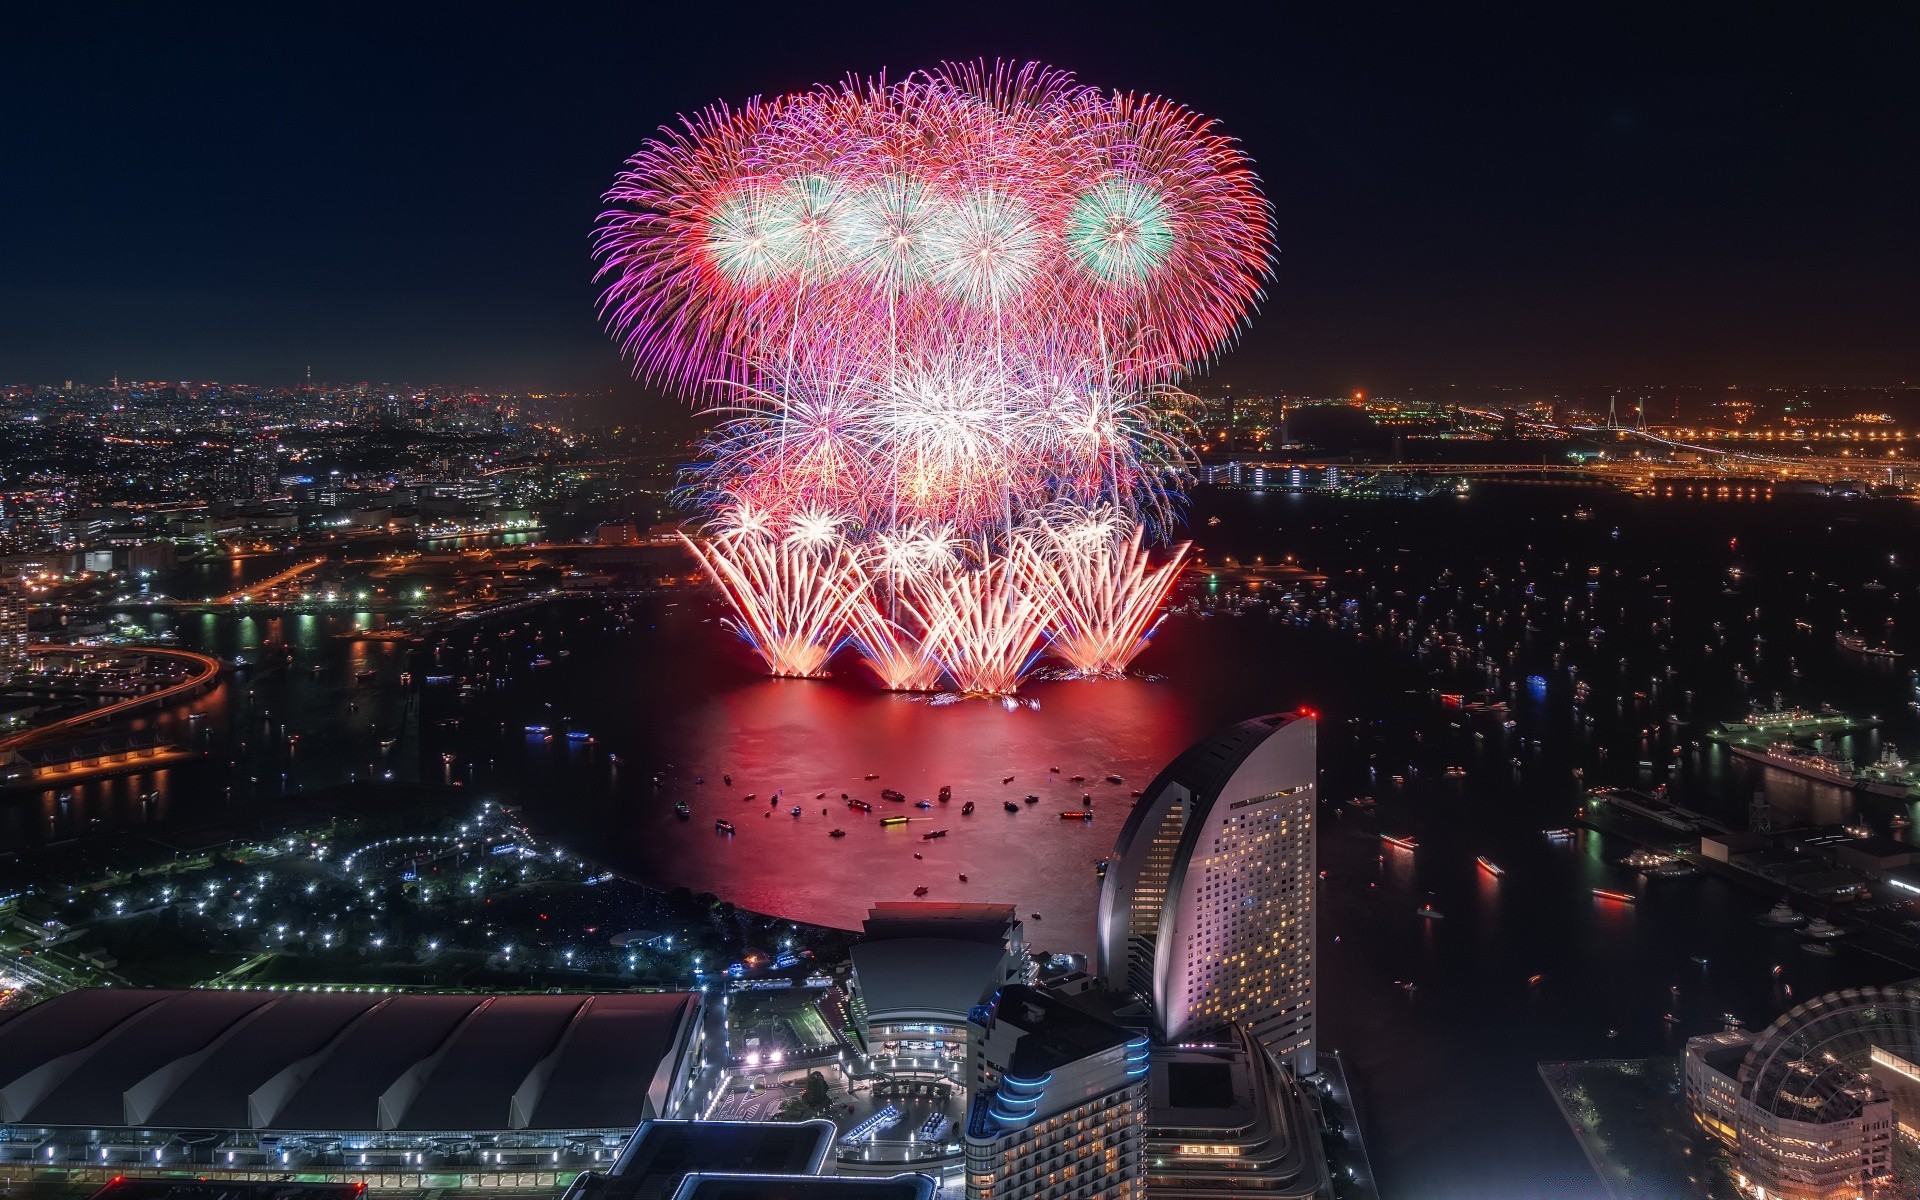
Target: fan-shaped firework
[(926, 310)]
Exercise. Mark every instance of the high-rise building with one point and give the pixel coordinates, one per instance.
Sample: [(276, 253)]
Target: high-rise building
[(13, 630), (1059, 1104), (1207, 908)]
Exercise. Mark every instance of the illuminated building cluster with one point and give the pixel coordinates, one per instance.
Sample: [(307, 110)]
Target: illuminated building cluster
[(940, 321)]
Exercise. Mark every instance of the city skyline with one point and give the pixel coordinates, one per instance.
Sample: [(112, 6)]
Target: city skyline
[(1695, 198)]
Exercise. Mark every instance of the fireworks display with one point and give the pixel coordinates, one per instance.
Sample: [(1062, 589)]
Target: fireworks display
[(941, 321)]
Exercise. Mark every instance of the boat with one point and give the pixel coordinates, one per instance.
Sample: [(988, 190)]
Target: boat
[(1077, 814), (873, 775), (1558, 835), (365, 676), (1488, 865), (1115, 779), (923, 804), (1858, 645), (920, 891), (859, 806), (1399, 843), (1430, 912), (1008, 779), (896, 797), (1820, 948), (1799, 760), (966, 810), (946, 792), (682, 811), (1822, 928), (536, 729), (579, 735), (543, 661), (963, 878), (1011, 807), (931, 834), (1616, 897), (794, 811), (723, 826), (893, 822), (836, 833), (1700, 960), (1031, 799), (1782, 914)]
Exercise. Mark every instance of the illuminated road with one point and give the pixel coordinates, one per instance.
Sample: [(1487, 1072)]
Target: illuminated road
[(206, 669), (271, 582)]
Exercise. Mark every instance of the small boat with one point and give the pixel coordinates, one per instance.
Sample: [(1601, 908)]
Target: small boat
[(946, 792), (727, 780), (1011, 807), (682, 811), (1399, 843), (365, 676), (1616, 897), (893, 822), (917, 856), (1821, 928), (932, 834), (1035, 916), (1115, 779), (1820, 948), (1489, 866), (536, 729), (1782, 914), (794, 811), (1008, 779), (723, 826), (819, 795), (1430, 912), (923, 804), (1077, 814), (1077, 778), (836, 833), (873, 775), (543, 661), (966, 810), (579, 735), (1534, 980), (1558, 835), (1700, 960), (963, 878), (920, 891), (1031, 799), (749, 796), (859, 806)]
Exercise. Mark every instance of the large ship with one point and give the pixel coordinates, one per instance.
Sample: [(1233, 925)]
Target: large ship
[(1890, 775), (1779, 721), (1856, 644), (1801, 761)]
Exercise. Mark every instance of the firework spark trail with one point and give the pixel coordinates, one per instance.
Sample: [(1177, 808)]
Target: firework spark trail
[(790, 597), (1100, 592), (903, 661), (983, 628)]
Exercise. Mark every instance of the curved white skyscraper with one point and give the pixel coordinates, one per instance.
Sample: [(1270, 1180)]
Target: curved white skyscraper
[(1207, 908)]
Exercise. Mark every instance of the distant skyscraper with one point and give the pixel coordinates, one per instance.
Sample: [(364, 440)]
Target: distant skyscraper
[(1207, 908), (1059, 1108), (13, 631)]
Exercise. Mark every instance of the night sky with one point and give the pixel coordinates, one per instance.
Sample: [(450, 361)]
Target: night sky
[(1579, 194)]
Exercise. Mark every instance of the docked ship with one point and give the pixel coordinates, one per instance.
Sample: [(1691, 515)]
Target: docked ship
[(1780, 721), (1890, 775), (1801, 761)]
